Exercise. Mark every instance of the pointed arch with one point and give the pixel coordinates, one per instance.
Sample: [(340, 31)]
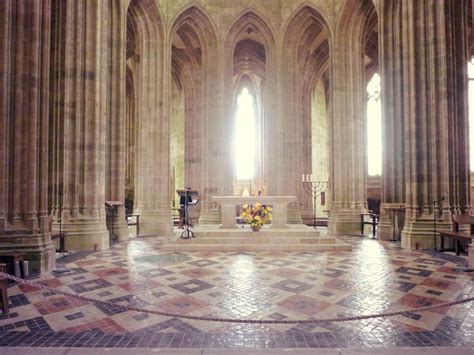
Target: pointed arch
[(250, 57), (358, 25), (308, 40), (193, 48), (250, 19), (197, 18), (307, 43), (146, 18), (303, 12)]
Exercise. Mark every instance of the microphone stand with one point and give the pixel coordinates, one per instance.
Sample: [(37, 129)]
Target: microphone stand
[(434, 221), (186, 234), (62, 248)]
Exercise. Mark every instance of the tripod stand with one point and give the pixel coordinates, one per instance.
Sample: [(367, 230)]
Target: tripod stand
[(62, 249), (186, 234), (434, 220), (113, 210), (315, 189)]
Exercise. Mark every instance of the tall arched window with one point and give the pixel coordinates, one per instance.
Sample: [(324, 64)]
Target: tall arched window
[(374, 127), (245, 136), (470, 75)]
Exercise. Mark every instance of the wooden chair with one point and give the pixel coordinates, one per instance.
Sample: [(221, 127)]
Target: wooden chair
[(3, 289)]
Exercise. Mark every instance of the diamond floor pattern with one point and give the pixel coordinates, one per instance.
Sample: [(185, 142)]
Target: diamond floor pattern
[(373, 277)]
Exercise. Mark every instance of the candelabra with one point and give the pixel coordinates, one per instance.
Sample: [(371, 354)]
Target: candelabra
[(315, 189)]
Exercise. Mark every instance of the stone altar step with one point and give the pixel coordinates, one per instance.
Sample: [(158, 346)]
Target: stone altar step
[(295, 238)]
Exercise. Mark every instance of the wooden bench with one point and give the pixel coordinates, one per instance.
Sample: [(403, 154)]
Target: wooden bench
[(456, 235), (3, 290)]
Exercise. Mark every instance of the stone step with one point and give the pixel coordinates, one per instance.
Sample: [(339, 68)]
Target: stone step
[(186, 247), (294, 238), (263, 240)]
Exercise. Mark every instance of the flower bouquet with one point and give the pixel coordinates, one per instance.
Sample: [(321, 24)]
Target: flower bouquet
[(256, 215)]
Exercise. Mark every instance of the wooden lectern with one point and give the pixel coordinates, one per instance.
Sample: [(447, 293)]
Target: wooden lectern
[(190, 192)]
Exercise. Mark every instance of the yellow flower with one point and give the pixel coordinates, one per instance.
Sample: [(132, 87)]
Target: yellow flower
[(256, 215)]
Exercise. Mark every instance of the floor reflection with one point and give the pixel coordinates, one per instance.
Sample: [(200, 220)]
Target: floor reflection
[(373, 277)]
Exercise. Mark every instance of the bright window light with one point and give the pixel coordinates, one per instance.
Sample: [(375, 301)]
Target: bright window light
[(470, 74), (245, 136), (374, 127)]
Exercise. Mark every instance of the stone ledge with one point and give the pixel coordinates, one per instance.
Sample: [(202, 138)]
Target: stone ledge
[(295, 238)]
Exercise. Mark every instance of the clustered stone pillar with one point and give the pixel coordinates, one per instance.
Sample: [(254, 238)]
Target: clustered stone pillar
[(196, 67), (348, 183), (433, 54), (391, 69), (152, 148), (78, 124), (115, 79), (214, 138), (25, 28), (299, 70)]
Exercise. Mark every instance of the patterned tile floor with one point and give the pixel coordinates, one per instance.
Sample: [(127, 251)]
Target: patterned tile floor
[(374, 277)]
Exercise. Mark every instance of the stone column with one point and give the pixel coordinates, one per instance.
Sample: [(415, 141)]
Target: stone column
[(115, 71), (25, 29), (78, 123), (433, 54), (348, 182), (214, 136), (393, 129), (471, 246), (151, 104)]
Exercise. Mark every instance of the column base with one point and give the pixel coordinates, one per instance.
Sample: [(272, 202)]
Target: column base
[(419, 234), (156, 223), (38, 249), (120, 231), (307, 217), (120, 228), (344, 222), (391, 221), (212, 216), (293, 213), (385, 230), (83, 234)]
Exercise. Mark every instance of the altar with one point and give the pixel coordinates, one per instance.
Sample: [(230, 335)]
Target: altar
[(279, 208), (278, 236)]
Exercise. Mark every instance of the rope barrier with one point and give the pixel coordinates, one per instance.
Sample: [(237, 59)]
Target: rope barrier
[(232, 320)]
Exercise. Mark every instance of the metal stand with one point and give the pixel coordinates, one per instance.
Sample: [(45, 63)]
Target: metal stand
[(113, 209), (61, 249), (315, 189), (113, 212), (435, 247), (434, 222), (186, 234)]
